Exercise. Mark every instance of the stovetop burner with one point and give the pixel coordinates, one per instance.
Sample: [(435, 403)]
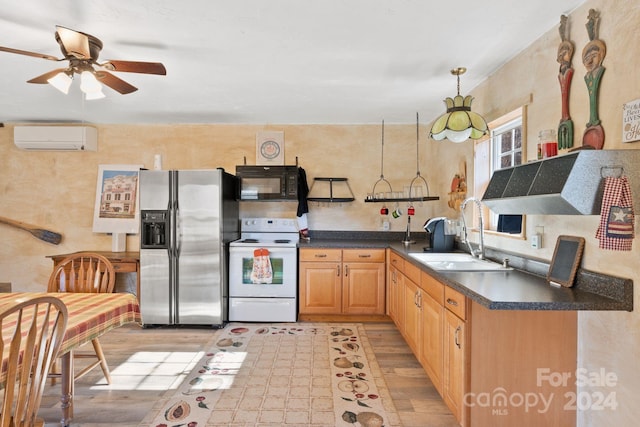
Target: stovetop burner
[(249, 241), (282, 241)]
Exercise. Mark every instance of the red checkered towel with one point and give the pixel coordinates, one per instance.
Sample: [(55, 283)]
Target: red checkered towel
[(616, 231)]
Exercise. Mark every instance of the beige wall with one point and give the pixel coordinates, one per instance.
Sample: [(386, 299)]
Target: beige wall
[(57, 190)]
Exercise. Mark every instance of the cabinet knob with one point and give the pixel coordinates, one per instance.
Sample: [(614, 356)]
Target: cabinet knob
[(452, 302), (320, 255)]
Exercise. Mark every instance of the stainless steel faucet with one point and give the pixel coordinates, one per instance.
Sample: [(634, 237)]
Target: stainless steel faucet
[(480, 251)]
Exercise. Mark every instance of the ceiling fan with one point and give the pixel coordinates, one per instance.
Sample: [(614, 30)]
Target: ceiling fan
[(82, 51)]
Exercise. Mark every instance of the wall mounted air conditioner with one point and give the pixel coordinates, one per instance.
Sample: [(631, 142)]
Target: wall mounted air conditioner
[(56, 138)]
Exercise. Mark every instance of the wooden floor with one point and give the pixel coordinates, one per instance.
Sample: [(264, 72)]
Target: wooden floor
[(146, 362)]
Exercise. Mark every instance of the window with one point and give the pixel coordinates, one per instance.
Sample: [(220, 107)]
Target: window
[(505, 147)]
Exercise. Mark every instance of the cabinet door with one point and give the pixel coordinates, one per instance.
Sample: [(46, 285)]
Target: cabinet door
[(412, 315), (431, 339), (320, 287), (392, 292), (454, 363), (363, 288)]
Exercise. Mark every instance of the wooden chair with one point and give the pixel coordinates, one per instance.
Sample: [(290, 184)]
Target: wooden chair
[(32, 332), (84, 272)]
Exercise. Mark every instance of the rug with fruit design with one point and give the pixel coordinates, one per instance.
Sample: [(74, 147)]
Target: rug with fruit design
[(289, 374)]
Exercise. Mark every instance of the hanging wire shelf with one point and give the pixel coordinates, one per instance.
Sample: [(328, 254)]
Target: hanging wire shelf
[(373, 198)]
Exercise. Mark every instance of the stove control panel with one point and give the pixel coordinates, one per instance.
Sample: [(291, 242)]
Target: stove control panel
[(269, 225)]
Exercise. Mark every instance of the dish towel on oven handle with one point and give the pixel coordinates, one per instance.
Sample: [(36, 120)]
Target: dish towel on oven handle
[(261, 273), (616, 228)]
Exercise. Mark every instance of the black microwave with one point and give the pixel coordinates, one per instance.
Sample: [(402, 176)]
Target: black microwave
[(267, 183)]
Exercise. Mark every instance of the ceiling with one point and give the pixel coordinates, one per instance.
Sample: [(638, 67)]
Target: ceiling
[(269, 61)]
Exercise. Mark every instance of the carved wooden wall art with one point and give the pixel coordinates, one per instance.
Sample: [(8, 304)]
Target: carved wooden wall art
[(592, 56), (565, 54)]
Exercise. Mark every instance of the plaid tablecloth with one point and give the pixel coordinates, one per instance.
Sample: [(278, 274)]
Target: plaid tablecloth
[(90, 315)]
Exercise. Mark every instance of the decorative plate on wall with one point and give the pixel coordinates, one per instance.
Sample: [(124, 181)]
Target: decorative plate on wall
[(270, 148)]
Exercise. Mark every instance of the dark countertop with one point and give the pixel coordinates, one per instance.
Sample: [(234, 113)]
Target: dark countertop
[(516, 289)]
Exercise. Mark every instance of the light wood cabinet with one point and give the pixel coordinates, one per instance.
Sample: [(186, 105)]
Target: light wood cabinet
[(395, 290), (432, 337), (320, 287), (342, 281), (431, 318), (412, 327), (471, 352), (453, 381), (411, 324)]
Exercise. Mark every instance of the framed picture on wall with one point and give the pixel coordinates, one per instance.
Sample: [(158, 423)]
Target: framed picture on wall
[(116, 207)]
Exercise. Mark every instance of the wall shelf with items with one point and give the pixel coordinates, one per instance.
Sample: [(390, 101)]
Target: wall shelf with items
[(329, 193), (401, 199)]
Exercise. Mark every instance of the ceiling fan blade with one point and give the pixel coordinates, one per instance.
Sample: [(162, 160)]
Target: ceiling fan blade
[(115, 83), (26, 52), (43, 79), (135, 67), (74, 42)]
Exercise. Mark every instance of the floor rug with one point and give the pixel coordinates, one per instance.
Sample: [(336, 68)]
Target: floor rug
[(311, 374)]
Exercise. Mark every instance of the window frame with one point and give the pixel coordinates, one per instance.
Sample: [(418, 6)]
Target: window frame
[(505, 122)]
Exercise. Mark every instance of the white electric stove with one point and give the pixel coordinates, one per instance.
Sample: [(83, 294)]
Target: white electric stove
[(263, 271)]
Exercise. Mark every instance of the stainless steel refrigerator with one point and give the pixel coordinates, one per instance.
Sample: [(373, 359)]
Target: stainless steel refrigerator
[(188, 218)]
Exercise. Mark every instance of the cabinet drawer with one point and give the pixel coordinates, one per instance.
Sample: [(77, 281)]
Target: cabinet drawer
[(396, 261), (455, 302), (320, 255), (124, 267), (433, 287), (412, 272), (363, 255)]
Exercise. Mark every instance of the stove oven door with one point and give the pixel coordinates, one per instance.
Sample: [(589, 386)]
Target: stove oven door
[(264, 272)]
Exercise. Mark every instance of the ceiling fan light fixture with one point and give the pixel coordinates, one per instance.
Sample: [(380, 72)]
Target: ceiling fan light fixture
[(94, 95), (61, 81), (459, 123), (89, 83)]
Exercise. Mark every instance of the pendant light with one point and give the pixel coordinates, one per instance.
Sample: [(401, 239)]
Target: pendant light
[(459, 123)]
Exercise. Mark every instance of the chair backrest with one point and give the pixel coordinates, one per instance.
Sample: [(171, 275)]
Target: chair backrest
[(32, 332), (83, 272)]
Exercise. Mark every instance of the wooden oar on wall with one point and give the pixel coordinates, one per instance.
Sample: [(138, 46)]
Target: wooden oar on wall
[(45, 235)]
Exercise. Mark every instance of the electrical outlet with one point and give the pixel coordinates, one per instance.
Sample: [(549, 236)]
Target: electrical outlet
[(536, 241), (536, 238)]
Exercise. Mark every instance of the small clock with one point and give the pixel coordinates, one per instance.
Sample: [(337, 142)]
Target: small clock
[(270, 148)]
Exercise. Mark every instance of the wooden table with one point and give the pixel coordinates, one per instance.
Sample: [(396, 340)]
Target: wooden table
[(123, 262), (90, 316)]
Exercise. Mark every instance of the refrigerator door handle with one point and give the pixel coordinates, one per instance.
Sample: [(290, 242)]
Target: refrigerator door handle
[(178, 232)]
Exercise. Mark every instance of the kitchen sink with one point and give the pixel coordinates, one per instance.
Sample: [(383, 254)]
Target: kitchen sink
[(456, 262)]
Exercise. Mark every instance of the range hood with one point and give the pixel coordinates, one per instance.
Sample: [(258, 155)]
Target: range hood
[(571, 184)]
